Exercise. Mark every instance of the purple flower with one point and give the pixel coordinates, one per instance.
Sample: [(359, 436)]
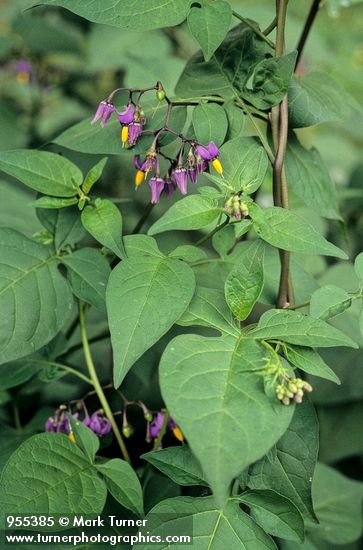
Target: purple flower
[(99, 424), (180, 176), (135, 129), (104, 111), (209, 152), (156, 425), (126, 116), (23, 66), (193, 174), (170, 186), (138, 164), (156, 185)]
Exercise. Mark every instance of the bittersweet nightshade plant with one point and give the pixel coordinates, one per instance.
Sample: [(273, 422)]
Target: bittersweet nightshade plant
[(187, 310)]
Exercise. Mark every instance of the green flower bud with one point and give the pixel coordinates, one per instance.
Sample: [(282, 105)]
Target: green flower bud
[(127, 431)]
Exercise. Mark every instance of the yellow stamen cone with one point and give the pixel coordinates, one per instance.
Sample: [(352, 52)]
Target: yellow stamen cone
[(217, 165), (178, 434), (139, 178), (124, 134), (71, 437)]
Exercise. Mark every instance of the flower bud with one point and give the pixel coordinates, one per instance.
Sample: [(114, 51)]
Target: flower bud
[(286, 401), (127, 431)]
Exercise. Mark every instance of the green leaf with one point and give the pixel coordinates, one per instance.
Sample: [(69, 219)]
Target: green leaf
[(233, 422), (318, 190), (141, 245), (139, 15), (91, 138), (122, 482), (244, 284), (300, 329), (65, 225), (289, 466), (244, 164), (310, 361), (210, 123), (191, 212), (53, 202), (236, 119), (15, 373), (104, 222), (48, 473), (227, 73), (328, 301), (93, 175), (209, 24), (188, 253), (86, 440), (316, 98), (285, 229), (35, 296), (270, 81), (223, 240), (145, 297), (338, 504), (358, 266), (178, 463), (276, 514), (210, 526), (208, 308), (88, 273), (340, 431), (46, 172)]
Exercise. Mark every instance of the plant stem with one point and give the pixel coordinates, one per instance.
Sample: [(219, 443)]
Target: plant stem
[(271, 27), (306, 30), (16, 415), (211, 233), (253, 27), (97, 386), (298, 306), (279, 126)]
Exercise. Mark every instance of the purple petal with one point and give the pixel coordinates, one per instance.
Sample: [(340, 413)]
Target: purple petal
[(169, 188), (213, 150), (180, 176), (99, 112), (135, 130), (156, 185), (108, 110), (49, 425), (203, 152), (193, 174), (126, 116), (156, 425)]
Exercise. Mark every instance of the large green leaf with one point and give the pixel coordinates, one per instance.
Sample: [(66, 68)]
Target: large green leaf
[(122, 482), (137, 15), (289, 466), (285, 229), (300, 329), (65, 225), (210, 527), (35, 299), (209, 24), (48, 473), (275, 514), (228, 71), (88, 273), (210, 123), (145, 297), (316, 98), (91, 138), (308, 360), (340, 431), (310, 180), (208, 308), (244, 163), (104, 222), (46, 172), (338, 506), (192, 212), (178, 463), (270, 81), (328, 301), (233, 422), (244, 284)]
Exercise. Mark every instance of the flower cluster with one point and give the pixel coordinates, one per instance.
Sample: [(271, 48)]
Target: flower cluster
[(180, 172), (59, 422), (192, 159), (235, 207), (292, 389)]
